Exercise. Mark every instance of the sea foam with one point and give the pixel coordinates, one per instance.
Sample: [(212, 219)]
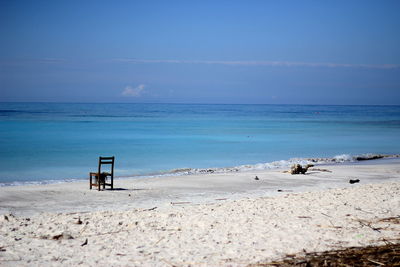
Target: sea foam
[(281, 164)]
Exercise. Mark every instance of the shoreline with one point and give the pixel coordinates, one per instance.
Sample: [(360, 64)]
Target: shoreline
[(195, 188), (274, 165)]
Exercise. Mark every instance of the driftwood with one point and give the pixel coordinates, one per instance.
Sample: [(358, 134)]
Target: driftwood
[(368, 224), (391, 219), (63, 235), (180, 203), (298, 169), (84, 243), (150, 209)]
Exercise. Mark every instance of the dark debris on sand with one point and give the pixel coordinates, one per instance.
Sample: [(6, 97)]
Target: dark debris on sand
[(386, 255)]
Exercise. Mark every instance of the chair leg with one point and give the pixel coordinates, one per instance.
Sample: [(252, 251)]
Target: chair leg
[(99, 182), (90, 182)]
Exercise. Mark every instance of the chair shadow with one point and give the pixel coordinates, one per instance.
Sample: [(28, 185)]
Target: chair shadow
[(124, 189), (116, 189)]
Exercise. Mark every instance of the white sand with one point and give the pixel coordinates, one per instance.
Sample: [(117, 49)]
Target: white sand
[(253, 222)]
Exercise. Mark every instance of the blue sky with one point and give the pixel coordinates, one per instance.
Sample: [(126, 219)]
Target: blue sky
[(264, 52)]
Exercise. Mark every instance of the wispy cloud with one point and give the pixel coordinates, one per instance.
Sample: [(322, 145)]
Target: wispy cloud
[(261, 63), (130, 91), (34, 61), (51, 60)]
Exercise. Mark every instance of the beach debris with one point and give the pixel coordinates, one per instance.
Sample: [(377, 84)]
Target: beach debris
[(64, 235), (353, 181), (369, 157), (2, 249), (384, 255), (178, 203), (395, 219), (79, 221), (84, 243), (159, 240), (7, 217), (256, 178), (357, 208), (368, 224), (281, 190), (376, 262), (153, 208), (298, 169), (206, 171)]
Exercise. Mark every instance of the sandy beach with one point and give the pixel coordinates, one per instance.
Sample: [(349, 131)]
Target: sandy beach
[(226, 219), (234, 133)]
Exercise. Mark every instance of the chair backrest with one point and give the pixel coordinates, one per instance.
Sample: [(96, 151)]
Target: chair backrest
[(107, 161)]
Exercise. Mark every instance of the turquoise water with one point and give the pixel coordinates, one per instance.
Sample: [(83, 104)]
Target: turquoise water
[(57, 141)]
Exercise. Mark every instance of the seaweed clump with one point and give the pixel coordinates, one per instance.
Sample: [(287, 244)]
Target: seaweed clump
[(385, 255)]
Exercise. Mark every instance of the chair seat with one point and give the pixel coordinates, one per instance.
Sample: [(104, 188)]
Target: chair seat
[(103, 173)]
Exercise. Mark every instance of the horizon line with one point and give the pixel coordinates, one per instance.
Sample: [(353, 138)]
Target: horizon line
[(249, 63), (191, 103)]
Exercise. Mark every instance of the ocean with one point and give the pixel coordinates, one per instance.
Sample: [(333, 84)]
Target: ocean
[(52, 142)]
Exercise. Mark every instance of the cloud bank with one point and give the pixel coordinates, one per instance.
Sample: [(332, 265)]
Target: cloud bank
[(130, 91), (261, 63)]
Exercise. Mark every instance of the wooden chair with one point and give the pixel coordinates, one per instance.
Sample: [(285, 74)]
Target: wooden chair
[(100, 178)]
